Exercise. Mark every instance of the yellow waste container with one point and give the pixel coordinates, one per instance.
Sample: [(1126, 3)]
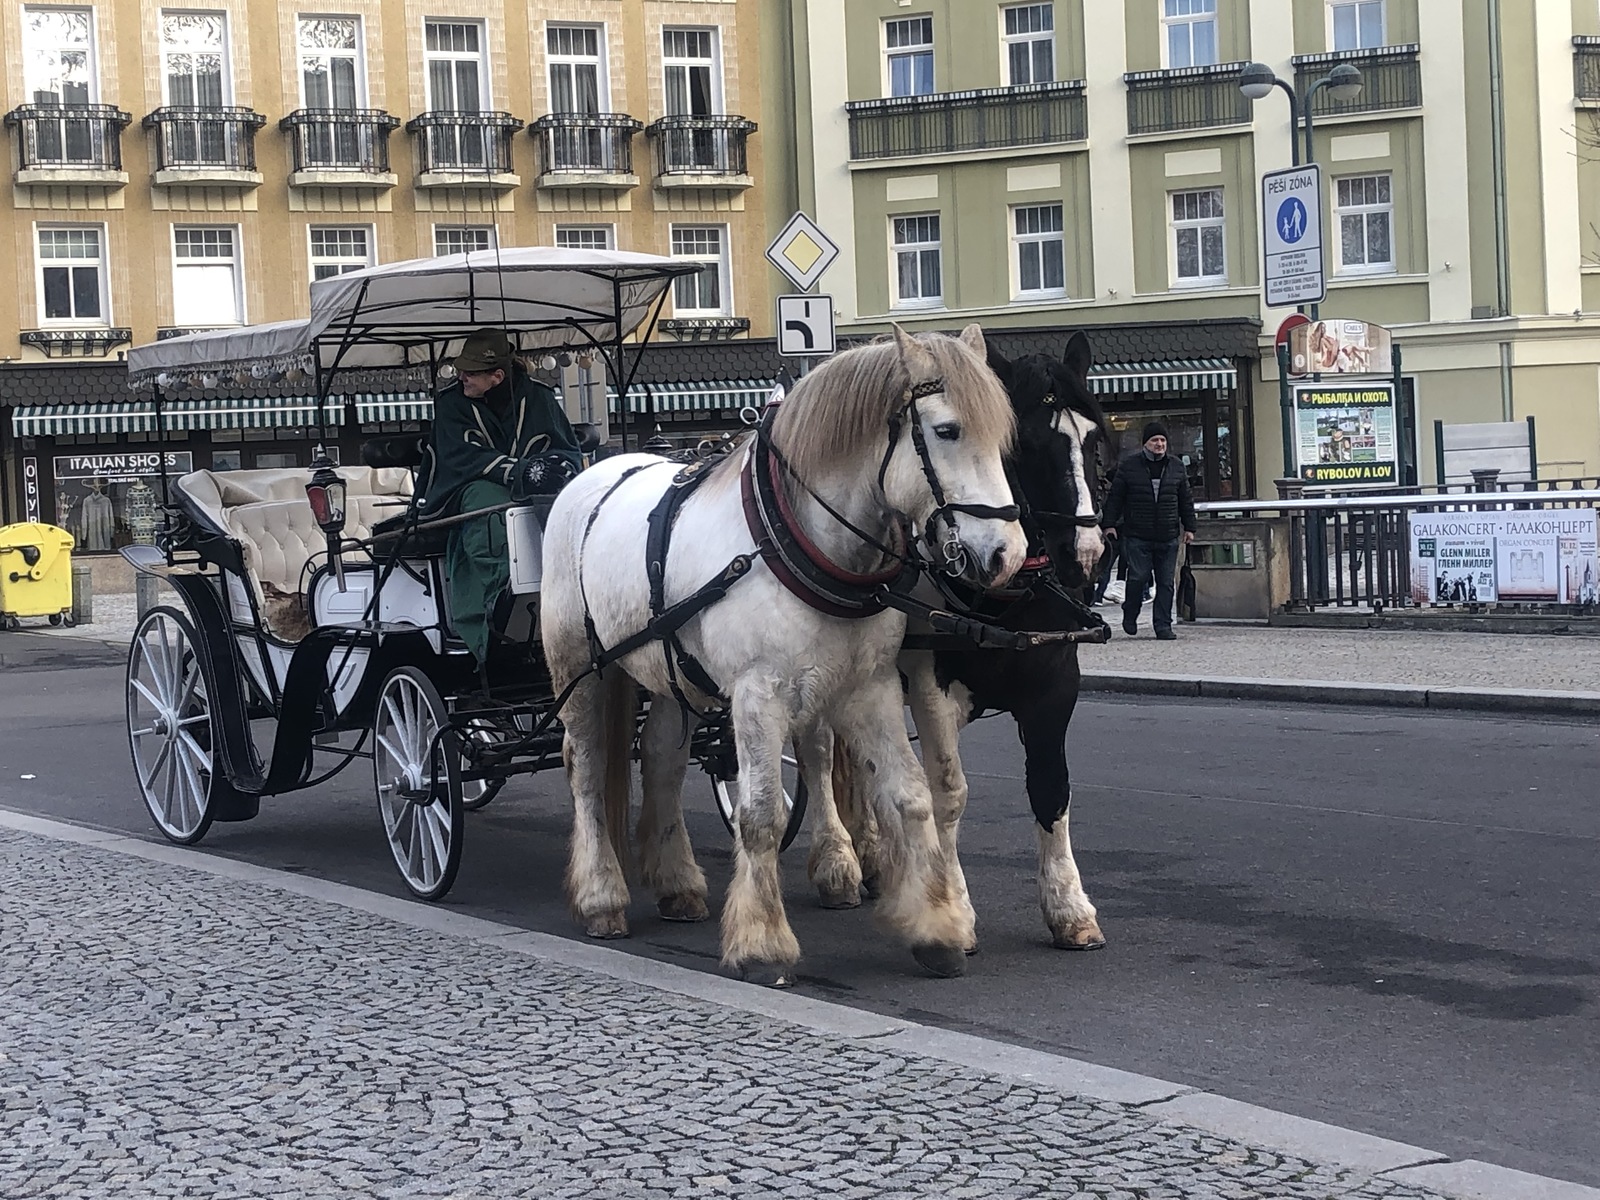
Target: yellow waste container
[(35, 574)]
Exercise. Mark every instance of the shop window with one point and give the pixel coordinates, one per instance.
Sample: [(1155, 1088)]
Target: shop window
[(71, 275), (459, 239), (577, 68), (205, 276), (918, 263), (908, 52), (1198, 257), (337, 249), (583, 237), (110, 498), (226, 460), (1030, 43), (1189, 33), (1364, 208), (1357, 24), (704, 294), (1040, 251), (280, 459)]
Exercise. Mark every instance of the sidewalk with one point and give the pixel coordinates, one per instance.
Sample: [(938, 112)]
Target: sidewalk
[(1412, 668), (178, 1024)]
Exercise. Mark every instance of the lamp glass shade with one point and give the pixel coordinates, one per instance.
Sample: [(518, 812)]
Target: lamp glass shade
[(325, 491), (1256, 80), (1345, 83)]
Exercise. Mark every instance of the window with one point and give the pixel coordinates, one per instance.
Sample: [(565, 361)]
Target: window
[(583, 237), (459, 239), (72, 276), (575, 69), (705, 294), (330, 62), (1191, 32), (194, 57), (1197, 237), (58, 56), (1041, 258), (1364, 205), (1030, 43), (908, 43), (336, 249), (453, 60), (689, 61), (205, 276), (917, 270), (1357, 24)]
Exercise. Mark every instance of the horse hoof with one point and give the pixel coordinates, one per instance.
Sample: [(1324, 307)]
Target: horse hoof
[(969, 951), (947, 962), (768, 974), (685, 907), (841, 898), (607, 926), (1085, 937)]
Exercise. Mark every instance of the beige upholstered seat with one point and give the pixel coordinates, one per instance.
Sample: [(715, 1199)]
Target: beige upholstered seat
[(267, 512)]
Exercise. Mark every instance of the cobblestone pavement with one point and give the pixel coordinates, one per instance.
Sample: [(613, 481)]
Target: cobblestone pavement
[(1421, 658), (166, 1032)]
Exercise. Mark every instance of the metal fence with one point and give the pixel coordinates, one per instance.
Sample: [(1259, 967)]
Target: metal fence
[(337, 139), (585, 143), (982, 119), (476, 143), (1355, 551), (1391, 78), (221, 139), (1186, 98), (701, 145), (1586, 67), (84, 137)]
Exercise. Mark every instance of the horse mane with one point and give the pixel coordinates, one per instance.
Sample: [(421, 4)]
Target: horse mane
[(844, 405)]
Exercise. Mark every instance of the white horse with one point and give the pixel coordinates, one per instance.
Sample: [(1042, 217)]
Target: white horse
[(859, 446)]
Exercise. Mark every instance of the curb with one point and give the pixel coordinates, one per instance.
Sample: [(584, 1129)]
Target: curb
[(1329, 691), (1316, 1141)]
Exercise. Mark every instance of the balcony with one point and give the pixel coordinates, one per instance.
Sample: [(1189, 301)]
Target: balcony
[(465, 149), (1037, 114), (585, 150), (1391, 78), (702, 152), (75, 144), (705, 329), (205, 146), (76, 343), (1187, 98), (1585, 70), (338, 147)]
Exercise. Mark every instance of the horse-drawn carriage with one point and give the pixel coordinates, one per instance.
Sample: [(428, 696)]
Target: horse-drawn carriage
[(312, 620)]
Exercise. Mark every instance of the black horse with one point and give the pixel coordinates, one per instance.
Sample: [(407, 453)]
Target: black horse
[(1053, 464)]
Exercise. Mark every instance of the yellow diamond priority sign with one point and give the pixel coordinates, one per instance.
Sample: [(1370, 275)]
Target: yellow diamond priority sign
[(802, 251)]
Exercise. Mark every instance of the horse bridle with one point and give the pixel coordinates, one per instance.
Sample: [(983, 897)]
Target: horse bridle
[(953, 551), (1080, 520)]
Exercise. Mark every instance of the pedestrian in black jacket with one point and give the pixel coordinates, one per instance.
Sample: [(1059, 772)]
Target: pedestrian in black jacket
[(1151, 508)]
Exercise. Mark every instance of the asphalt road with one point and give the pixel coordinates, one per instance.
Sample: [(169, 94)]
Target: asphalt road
[(1381, 920)]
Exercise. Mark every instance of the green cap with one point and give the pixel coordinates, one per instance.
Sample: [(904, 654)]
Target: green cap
[(485, 350)]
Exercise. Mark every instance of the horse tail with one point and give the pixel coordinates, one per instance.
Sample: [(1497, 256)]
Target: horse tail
[(621, 720)]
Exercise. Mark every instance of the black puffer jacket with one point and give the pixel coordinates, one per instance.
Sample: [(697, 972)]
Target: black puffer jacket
[(1133, 505)]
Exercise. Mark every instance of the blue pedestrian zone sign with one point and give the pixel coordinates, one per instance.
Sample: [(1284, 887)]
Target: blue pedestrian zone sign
[(1291, 237)]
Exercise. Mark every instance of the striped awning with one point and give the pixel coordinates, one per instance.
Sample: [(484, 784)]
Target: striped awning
[(726, 395), (139, 416), (1177, 375), (402, 406)]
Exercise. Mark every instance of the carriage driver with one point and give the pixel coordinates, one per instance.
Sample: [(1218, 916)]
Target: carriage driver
[(498, 435)]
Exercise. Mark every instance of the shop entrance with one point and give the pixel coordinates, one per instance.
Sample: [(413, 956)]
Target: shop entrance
[(1202, 433)]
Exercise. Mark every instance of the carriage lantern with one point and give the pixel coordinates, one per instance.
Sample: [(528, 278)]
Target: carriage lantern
[(325, 491)]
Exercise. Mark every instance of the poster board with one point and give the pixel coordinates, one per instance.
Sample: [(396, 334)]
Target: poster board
[(1517, 557), (1345, 434), (1339, 348)]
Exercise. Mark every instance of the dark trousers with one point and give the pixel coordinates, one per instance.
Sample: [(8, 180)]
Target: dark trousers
[(1145, 559)]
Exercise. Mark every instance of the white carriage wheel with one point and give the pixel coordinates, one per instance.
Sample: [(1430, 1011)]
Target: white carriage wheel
[(726, 792), (475, 793), (417, 775), (169, 726)]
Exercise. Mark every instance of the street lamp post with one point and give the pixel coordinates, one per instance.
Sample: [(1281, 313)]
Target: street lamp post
[(1256, 81)]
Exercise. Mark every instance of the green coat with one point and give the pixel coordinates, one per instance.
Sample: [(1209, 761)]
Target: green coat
[(477, 439)]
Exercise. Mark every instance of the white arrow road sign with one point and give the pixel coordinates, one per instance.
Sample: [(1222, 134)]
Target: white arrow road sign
[(805, 326), (1291, 236)]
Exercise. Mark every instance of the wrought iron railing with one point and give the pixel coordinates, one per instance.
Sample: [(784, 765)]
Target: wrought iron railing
[(221, 139), (340, 139), (984, 119), (1186, 98), (69, 137), (585, 143), (476, 143), (1391, 78), (701, 145), (1586, 67)]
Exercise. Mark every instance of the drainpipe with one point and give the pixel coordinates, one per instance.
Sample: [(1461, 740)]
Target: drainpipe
[(1502, 249)]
